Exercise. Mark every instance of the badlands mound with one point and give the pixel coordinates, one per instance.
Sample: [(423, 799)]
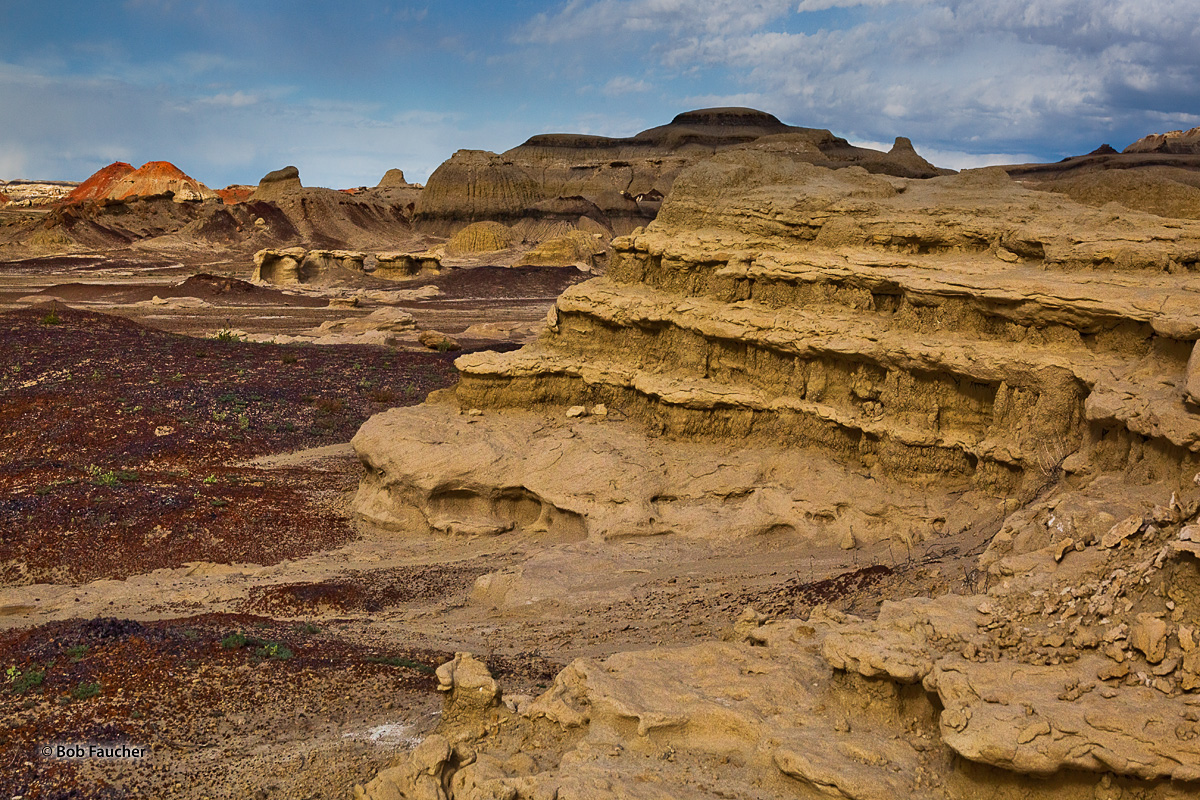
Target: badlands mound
[(621, 179), (158, 178), (850, 360), (100, 184)]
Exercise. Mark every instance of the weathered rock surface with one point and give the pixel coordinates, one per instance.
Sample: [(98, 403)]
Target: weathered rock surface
[(481, 237), (400, 266), (101, 184), (1170, 142), (840, 357), (566, 177), (157, 178), (297, 265)]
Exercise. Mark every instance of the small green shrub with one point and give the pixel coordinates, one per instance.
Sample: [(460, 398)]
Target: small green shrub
[(274, 650), (52, 317), (76, 652), (235, 641), (227, 335), (86, 691), (20, 682)]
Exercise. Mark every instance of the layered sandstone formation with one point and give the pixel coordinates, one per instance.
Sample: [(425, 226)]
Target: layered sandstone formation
[(619, 183), (298, 265), (845, 359), (1170, 142)]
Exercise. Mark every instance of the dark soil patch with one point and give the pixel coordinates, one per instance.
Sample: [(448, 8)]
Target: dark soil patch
[(116, 442), (371, 591), (180, 687), (796, 598)]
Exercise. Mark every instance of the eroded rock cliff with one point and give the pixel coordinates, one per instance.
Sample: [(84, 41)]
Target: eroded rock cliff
[(836, 356)]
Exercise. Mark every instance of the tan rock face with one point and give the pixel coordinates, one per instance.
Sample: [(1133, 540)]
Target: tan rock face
[(297, 265), (850, 359), (621, 182)]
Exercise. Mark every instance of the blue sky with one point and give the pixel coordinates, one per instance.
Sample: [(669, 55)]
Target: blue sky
[(230, 90)]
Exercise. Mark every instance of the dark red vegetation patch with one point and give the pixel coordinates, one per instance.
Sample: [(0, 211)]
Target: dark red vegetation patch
[(119, 443)]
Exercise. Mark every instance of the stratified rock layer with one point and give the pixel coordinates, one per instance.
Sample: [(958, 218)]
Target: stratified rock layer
[(839, 356), (621, 182)]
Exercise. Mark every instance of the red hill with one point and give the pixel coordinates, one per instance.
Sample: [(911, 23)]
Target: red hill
[(160, 177), (3, 198), (235, 194), (101, 183)]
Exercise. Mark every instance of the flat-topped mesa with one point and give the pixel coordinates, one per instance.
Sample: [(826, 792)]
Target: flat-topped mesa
[(622, 178)]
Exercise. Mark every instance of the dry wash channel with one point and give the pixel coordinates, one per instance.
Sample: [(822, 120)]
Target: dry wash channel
[(835, 357)]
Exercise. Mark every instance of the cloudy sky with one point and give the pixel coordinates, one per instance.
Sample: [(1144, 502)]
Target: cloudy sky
[(229, 90)]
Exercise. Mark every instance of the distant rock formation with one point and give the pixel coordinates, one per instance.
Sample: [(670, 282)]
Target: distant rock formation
[(297, 265), (563, 177), (481, 237), (1170, 142), (158, 178), (393, 179), (577, 248), (277, 184), (402, 266), (101, 183), (235, 193)]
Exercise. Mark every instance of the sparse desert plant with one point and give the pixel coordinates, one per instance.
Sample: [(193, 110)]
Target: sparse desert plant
[(21, 681), (76, 652), (289, 358), (52, 317), (86, 691), (384, 395), (329, 406), (274, 650), (227, 335), (235, 641)]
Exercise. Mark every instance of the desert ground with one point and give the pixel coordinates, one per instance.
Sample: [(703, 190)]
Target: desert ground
[(829, 474)]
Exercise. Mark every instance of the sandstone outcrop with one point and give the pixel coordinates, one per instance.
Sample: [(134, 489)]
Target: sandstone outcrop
[(277, 184), (577, 248), (480, 237), (235, 193), (297, 265), (402, 266), (838, 357), (393, 179), (1170, 142), (620, 182)]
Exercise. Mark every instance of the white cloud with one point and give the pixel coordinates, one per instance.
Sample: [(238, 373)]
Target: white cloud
[(992, 74), (623, 84)]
